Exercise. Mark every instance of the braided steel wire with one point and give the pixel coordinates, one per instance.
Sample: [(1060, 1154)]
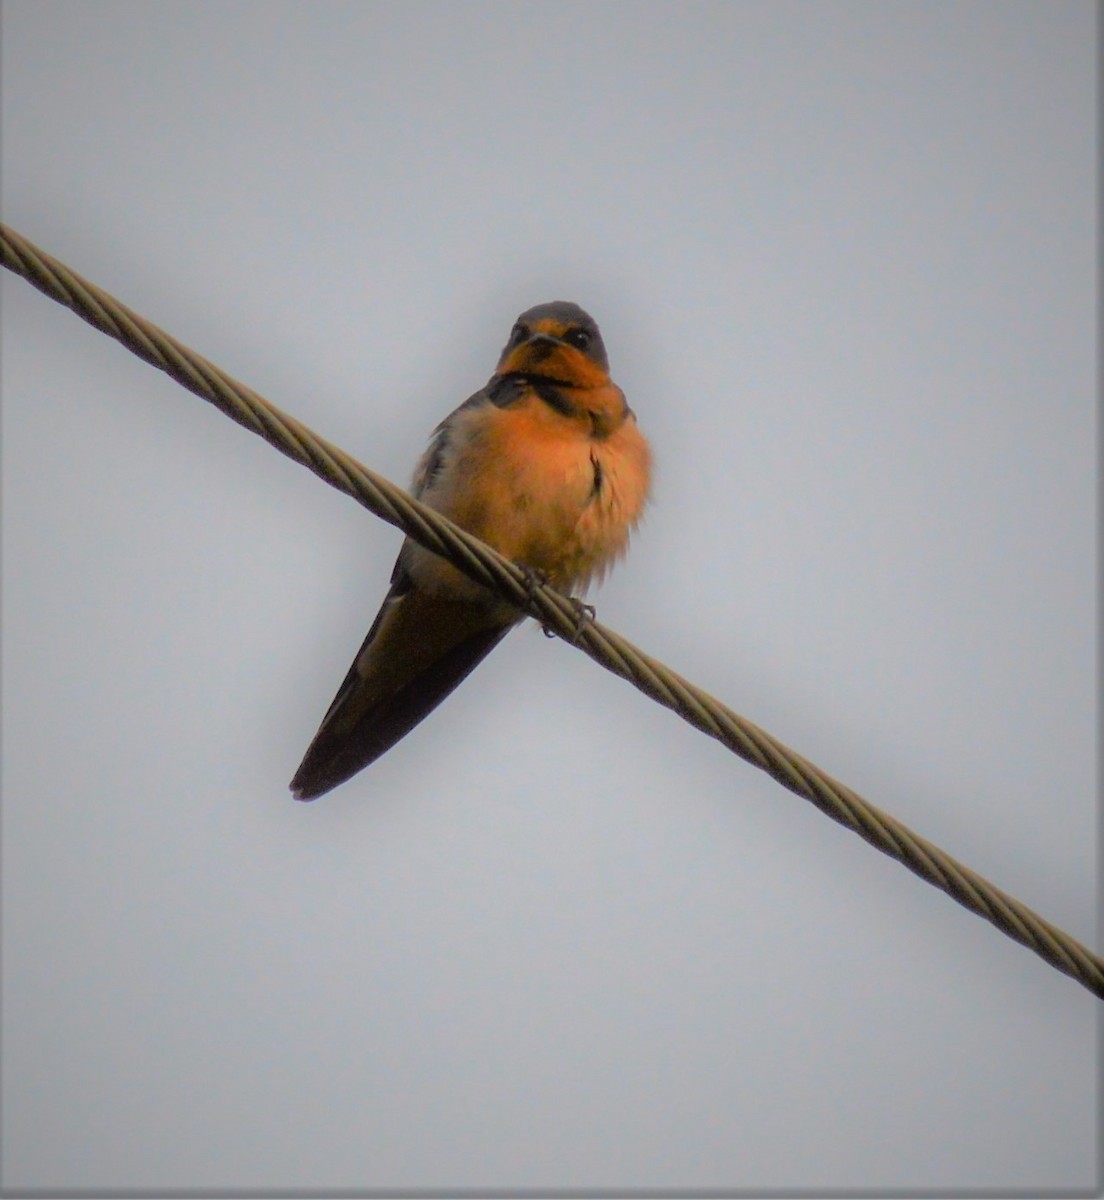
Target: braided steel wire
[(557, 613)]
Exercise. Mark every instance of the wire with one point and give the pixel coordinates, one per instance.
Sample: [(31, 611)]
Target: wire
[(557, 613)]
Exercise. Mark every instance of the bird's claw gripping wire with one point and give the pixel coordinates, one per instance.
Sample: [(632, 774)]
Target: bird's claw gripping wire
[(584, 613), (534, 578)]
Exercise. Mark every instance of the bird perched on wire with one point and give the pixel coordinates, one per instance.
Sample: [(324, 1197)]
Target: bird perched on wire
[(545, 463)]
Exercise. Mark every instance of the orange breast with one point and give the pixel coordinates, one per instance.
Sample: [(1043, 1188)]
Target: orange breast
[(543, 490)]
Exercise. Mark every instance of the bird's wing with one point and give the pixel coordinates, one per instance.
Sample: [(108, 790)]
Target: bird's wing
[(420, 646)]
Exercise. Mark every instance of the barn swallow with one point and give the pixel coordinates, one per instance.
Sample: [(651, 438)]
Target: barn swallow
[(545, 463)]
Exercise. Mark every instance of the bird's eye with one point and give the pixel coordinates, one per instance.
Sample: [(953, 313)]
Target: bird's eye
[(579, 338), (519, 332)]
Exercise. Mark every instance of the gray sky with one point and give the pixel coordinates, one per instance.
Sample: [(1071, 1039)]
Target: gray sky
[(843, 257)]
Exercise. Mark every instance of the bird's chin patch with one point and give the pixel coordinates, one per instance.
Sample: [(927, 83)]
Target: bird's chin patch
[(557, 363)]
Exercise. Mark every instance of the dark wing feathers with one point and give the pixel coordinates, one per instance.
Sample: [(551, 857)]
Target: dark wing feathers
[(418, 649), (337, 755)]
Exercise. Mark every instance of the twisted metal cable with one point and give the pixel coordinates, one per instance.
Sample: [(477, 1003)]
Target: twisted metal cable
[(556, 613)]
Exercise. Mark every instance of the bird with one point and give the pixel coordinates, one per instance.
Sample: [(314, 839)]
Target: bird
[(546, 463)]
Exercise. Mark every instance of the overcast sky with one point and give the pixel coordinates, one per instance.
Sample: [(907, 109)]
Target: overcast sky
[(843, 256)]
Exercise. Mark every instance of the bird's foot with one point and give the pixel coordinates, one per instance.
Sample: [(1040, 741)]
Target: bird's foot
[(584, 613)]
